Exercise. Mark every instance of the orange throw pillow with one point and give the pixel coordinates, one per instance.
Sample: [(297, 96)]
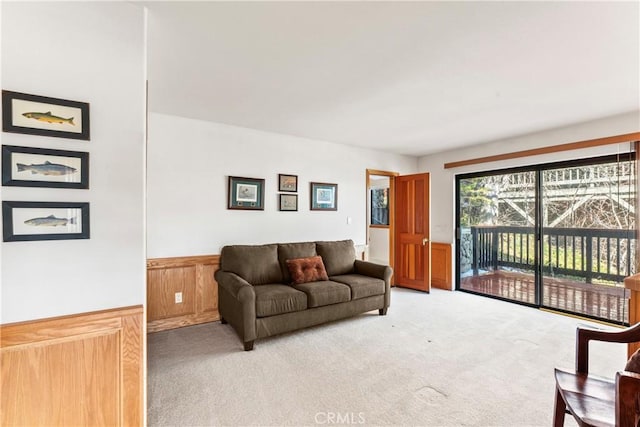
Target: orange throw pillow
[(305, 270)]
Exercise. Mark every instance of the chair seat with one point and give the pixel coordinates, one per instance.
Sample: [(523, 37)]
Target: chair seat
[(589, 398)]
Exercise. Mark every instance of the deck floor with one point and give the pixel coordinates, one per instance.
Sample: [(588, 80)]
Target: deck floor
[(610, 303)]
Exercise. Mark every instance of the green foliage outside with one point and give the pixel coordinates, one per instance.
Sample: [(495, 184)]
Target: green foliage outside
[(476, 202)]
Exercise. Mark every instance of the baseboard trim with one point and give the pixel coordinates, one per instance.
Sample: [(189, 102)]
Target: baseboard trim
[(181, 321)]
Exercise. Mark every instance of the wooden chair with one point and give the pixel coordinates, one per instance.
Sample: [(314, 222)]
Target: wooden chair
[(598, 401)]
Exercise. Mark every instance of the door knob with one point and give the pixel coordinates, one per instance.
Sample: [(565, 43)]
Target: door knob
[(425, 241)]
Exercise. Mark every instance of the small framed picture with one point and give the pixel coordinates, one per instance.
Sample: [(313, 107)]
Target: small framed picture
[(324, 197), (246, 193), (288, 202), (28, 221), (41, 167), (288, 183), (44, 116)]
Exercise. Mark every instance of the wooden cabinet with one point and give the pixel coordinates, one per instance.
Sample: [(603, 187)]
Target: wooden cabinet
[(191, 278), (441, 266)]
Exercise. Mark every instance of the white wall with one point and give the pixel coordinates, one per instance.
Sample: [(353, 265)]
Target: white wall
[(379, 245), (443, 180), (188, 165), (92, 52)]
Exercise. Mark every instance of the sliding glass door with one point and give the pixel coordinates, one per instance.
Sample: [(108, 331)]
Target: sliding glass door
[(560, 236), (497, 242), (588, 237)]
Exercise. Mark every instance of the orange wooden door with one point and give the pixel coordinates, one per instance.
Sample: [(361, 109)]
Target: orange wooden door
[(413, 245)]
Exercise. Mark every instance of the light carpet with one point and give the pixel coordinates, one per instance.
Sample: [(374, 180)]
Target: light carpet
[(438, 359)]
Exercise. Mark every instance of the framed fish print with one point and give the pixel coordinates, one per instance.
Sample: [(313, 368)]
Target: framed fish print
[(45, 116), (41, 167), (27, 221), (246, 193), (324, 197)]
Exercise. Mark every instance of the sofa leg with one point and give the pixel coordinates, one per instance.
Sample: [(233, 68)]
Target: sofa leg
[(248, 345), (222, 320), (383, 311)]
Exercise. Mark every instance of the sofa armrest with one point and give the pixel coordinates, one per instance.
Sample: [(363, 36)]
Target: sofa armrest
[(371, 269), (377, 271), (237, 305), (236, 286)]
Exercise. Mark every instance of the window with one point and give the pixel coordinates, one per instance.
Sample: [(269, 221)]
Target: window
[(380, 206)]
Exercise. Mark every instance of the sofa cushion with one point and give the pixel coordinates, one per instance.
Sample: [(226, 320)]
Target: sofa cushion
[(338, 256), (361, 286), (273, 299), (305, 270), (325, 293), (292, 251), (257, 264)]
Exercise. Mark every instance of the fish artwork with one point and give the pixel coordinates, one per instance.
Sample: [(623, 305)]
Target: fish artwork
[(50, 221), (48, 117), (46, 168)]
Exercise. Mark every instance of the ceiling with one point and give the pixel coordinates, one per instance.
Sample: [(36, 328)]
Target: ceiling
[(405, 77)]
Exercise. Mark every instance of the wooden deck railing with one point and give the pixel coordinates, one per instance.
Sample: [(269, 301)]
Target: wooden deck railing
[(604, 254)]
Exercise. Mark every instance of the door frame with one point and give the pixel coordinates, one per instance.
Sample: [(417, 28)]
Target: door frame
[(392, 210)]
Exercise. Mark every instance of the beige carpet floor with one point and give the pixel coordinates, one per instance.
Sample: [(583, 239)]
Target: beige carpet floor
[(439, 359)]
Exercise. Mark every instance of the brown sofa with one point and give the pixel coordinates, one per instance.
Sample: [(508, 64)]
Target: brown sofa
[(257, 297)]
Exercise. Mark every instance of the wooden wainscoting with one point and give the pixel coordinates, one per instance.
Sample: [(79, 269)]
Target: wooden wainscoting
[(83, 369), (441, 266), (193, 277)]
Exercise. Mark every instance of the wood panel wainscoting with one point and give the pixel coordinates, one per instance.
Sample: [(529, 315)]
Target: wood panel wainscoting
[(193, 277), (441, 266), (82, 369)]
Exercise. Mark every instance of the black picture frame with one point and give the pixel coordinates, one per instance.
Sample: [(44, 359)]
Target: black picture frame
[(245, 193), (48, 168), (44, 116), (324, 196), (288, 183), (288, 202), (45, 218)]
